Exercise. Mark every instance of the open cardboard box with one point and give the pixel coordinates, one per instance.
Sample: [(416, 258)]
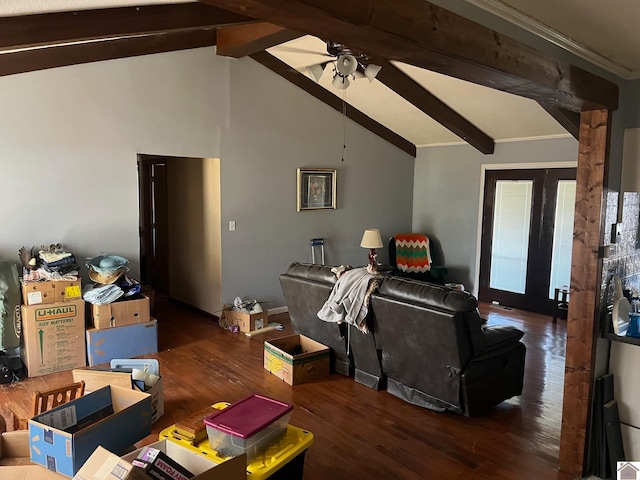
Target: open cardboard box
[(95, 379), (296, 359), (63, 438), (14, 459), (110, 466)]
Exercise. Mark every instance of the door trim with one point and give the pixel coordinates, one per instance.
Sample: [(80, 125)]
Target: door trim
[(502, 166)]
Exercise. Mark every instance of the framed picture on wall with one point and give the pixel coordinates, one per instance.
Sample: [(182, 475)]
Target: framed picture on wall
[(316, 189)]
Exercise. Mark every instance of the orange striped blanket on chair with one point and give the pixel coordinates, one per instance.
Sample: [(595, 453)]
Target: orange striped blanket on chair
[(412, 252)]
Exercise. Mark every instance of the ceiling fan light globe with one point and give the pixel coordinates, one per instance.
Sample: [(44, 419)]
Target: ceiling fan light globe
[(372, 71), (347, 64), (340, 82), (315, 72)]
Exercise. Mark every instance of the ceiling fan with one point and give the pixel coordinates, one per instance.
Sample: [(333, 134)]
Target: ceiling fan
[(346, 63)]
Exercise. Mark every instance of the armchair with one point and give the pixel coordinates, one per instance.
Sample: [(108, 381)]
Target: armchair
[(410, 257)]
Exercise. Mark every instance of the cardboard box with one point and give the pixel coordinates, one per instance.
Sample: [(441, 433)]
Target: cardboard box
[(96, 379), (50, 291), (119, 314), (296, 359), (14, 459), (103, 345), (111, 467), (63, 438), (247, 321), (53, 337), (158, 464)]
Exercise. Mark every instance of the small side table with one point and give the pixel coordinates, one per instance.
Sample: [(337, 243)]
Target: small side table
[(384, 269), (560, 303)]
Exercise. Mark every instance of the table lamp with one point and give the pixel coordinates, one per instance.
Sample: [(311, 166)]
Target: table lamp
[(371, 239)]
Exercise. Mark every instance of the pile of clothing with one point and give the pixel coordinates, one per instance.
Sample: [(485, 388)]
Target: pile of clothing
[(48, 263)]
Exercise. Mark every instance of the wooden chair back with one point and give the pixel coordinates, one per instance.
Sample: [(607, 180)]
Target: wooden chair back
[(44, 401)]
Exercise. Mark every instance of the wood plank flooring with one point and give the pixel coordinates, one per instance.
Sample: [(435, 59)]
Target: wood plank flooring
[(359, 432)]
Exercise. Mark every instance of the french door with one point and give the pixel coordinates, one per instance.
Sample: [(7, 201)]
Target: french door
[(527, 234)]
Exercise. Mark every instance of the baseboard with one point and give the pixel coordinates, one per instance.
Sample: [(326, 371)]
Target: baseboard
[(278, 310)]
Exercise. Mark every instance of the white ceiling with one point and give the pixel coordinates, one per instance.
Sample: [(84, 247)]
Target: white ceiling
[(602, 32)]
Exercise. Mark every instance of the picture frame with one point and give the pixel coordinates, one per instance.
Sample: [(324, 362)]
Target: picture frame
[(316, 189)]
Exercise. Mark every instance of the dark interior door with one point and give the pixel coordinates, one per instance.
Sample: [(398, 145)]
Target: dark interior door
[(517, 248), (154, 223)]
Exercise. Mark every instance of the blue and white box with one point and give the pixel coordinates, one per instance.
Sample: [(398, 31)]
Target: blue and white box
[(63, 438)]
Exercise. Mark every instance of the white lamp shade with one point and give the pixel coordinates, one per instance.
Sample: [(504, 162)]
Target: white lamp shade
[(315, 71), (347, 64), (371, 71), (371, 238), (340, 82)]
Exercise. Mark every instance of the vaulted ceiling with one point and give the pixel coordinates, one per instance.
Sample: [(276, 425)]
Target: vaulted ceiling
[(445, 80)]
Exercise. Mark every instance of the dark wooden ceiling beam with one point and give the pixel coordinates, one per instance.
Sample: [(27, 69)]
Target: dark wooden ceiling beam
[(421, 98), (308, 85), (55, 28), (569, 120), (243, 40), (60, 56), (427, 36)]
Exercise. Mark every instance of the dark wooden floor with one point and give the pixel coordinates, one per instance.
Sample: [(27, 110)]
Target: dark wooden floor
[(359, 432)]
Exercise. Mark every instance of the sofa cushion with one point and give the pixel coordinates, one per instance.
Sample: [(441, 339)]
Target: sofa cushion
[(423, 293)]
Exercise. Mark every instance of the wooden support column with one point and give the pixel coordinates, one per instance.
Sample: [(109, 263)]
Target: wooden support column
[(586, 273)]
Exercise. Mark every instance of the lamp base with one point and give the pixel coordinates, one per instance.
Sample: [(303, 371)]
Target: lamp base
[(372, 258)]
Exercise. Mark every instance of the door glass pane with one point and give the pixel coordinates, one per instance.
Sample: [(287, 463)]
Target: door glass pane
[(562, 236), (510, 240)]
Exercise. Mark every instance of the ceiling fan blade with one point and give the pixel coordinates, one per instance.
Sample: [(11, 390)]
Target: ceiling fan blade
[(306, 51)]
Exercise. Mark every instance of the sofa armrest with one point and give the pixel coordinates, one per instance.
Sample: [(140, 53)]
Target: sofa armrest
[(501, 338)]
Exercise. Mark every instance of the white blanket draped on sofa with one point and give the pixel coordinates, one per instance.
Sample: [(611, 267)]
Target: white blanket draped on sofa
[(349, 299)]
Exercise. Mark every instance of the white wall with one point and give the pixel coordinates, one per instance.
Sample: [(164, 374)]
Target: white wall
[(69, 139), (447, 188)]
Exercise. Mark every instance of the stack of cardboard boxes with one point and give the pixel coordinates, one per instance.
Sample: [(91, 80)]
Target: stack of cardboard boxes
[(55, 336), (122, 329)]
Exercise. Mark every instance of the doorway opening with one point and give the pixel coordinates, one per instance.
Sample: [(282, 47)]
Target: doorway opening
[(527, 236), (180, 229)]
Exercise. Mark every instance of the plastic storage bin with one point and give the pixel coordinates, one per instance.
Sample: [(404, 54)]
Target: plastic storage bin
[(248, 426), (283, 460)]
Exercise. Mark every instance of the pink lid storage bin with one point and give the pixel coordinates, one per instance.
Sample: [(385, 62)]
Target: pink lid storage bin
[(248, 426)]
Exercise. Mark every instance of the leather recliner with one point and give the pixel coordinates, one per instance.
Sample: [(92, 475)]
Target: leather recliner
[(427, 343), (437, 353)]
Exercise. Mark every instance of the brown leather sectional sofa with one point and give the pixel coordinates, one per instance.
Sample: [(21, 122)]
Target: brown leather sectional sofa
[(427, 343)]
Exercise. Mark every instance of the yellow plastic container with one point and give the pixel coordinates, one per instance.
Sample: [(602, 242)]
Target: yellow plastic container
[(284, 460)]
